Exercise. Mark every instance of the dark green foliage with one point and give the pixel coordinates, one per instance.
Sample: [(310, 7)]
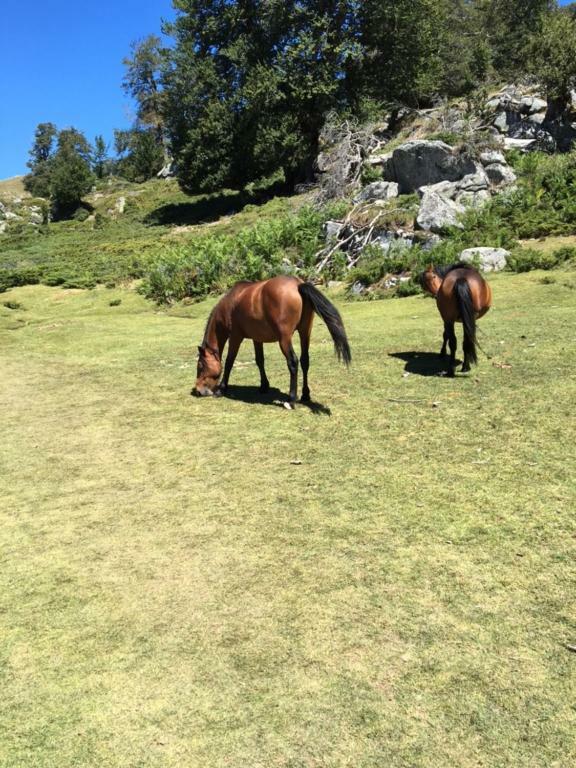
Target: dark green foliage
[(12, 305), (100, 162), (141, 154), (553, 53), (510, 25), (250, 84), (70, 173), (38, 180)]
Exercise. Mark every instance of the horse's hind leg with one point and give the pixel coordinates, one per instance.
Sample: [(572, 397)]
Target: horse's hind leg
[(305, 363), (453, 345), (292, 360), (445, 339), (259, 352)]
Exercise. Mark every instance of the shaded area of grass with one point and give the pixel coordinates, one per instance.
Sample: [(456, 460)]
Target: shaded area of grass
[(224, 583)]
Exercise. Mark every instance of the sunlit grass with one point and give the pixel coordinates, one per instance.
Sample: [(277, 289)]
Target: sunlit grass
[(225, 583)]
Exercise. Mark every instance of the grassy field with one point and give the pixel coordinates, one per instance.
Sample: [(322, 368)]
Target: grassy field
[(386, 581)]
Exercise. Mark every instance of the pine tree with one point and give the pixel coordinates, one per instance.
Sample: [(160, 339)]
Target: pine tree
[(37, 182), (70, 174)]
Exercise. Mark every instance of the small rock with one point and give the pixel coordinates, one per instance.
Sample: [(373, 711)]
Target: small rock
[(500, 175), (490, 156), (530, 105), (332, 229), (501, 122), (378, 190), (120, 205)]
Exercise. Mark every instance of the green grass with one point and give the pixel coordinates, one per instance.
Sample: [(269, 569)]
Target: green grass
[(175, 591)]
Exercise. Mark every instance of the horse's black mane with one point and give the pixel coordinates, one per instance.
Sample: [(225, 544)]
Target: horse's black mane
[(205, 338), (443, 271), (211, 315)]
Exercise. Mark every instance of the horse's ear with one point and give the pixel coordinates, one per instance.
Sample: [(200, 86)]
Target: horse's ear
[(200, 350), (430, 267)]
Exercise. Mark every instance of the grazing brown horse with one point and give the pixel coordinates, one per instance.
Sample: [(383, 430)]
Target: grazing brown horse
[(462, 296), (266, 311)]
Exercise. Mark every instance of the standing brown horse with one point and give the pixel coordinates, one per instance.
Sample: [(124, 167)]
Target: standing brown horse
[(266, 311), (463, 296)]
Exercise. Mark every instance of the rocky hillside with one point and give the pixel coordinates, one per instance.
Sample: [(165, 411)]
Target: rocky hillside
[(461, 180)]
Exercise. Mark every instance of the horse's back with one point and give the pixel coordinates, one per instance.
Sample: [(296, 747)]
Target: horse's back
[(264, 310)]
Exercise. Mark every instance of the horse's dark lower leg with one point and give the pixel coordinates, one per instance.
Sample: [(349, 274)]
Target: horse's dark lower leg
[(259, 352), (305, 363), (292, 360), (445, 339), (453, 345), (233, 347), (468, 347)]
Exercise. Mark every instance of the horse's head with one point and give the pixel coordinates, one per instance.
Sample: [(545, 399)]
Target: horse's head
[(208, 371), (431, 281)]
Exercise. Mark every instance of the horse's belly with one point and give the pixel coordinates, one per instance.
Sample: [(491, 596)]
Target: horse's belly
[(260, 331)]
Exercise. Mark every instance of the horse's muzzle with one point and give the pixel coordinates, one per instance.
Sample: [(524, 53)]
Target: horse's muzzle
[(202, 392)]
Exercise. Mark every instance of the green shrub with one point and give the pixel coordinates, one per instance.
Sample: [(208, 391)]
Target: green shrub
[(527, 259), (370, 173), (208, 264)]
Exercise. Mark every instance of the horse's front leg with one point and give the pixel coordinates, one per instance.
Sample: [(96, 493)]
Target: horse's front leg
[(259, 352), (233, 347), (292, 360)]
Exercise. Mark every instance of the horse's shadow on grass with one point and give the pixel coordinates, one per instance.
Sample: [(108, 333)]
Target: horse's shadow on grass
[(423, 363), (274, 397)]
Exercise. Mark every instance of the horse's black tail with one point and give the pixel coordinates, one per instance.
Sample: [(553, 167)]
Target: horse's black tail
[(468, 318), (331, 317)]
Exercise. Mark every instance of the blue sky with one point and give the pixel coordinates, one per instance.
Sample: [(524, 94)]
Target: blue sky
[(61, 62)]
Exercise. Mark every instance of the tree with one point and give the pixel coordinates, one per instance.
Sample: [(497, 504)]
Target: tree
[(70, 173), (141, 157), (553, 53), (100, 158), (37, 182), (142, 81), (510, 25), (249, 85)]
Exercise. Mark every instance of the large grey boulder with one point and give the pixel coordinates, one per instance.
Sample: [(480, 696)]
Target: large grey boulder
[(378, 190), (488, 259), (438, 213), (418, 164)]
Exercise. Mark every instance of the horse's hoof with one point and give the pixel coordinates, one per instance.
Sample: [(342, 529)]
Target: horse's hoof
[(289, 406), (450, 374), (305, 399)]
